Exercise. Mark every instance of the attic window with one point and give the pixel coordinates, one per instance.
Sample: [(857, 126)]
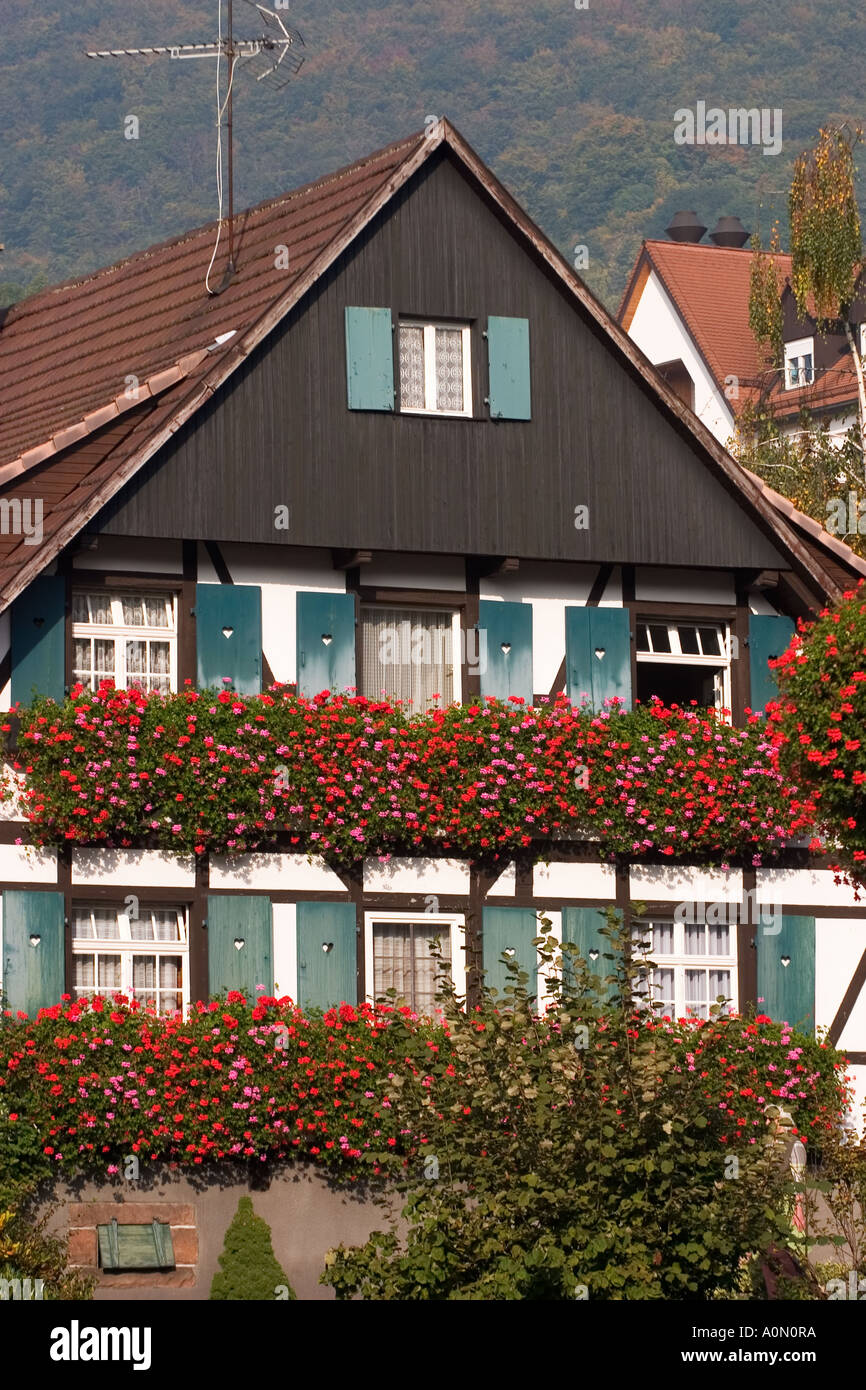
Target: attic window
[(799, 363), (124, 1248), (435, 368)]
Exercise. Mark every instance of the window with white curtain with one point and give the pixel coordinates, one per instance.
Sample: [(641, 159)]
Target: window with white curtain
[(402, 959), (435, 374), (129, 638), (141, 953), (691, 966), (409, 654)]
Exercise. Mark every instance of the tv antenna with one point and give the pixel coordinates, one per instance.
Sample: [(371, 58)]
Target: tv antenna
[(270, 58)]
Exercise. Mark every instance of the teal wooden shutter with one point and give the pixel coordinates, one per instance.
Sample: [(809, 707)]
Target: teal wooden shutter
[(33, 950), (39, 640), (508, 368), (327, 955), (505, 649), (582, 927), (598, 655), (369, 359), (786, 972), (769, 635), (228, 628), (511, 929), (240, 944), (131, 1247), (326, 642)]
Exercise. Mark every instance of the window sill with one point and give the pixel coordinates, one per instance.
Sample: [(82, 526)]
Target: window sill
[(436, 414)]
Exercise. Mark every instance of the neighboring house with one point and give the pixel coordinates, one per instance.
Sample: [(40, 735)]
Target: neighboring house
[(407, 365), (686, 306)]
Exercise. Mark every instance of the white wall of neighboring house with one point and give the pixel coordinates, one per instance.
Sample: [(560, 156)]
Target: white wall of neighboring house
[(660, 333), (838, 427)]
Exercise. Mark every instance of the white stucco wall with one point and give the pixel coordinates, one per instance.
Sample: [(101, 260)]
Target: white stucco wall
[(660, 333)]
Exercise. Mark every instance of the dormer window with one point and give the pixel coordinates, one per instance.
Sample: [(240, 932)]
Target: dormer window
[(435, 368), (799, 363)]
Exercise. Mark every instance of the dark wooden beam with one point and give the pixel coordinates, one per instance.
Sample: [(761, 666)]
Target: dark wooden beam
[(349, 559), (198, 941), (747, 953), (852, 994), (724, 612), (64, 885), (215, 556), (187, 664)]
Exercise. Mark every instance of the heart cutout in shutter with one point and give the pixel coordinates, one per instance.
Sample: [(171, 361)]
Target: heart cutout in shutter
[(35, 939), (38, 622), (786, 961), (506, 648), (593, 955), (227, 632), (327, 638), (509, 951), (239, 943), (599, 651), (327, 946)]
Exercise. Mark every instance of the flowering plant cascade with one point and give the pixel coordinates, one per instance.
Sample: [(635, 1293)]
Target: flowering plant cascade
[(92, 1081), (820, 721), (344, 775)]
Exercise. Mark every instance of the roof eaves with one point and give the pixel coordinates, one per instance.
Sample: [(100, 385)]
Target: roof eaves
[(810, 525)]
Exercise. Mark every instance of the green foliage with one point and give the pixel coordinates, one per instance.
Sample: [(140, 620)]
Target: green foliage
[(29, 1251), (249, 1270), (574, 110), (579, 1160), (821, 721), (765, 303), (825, 225), (805, 466)]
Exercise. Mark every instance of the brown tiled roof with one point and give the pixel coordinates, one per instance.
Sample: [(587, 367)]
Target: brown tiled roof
[(68, 352), (70, 434), (710, 288)]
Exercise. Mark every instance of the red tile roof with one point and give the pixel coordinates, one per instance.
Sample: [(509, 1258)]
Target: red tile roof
[(710, 288)]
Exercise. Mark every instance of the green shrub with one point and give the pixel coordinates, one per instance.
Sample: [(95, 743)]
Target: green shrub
[(586, 1153), (249, 1269)]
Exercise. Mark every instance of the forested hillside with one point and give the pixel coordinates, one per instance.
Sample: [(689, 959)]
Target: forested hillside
[(573, 109)]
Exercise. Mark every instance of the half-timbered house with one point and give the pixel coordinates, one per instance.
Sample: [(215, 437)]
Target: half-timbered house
[(401, 410)]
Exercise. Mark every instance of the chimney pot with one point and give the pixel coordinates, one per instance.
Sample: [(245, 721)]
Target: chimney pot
[(729, 231), (684, 226)]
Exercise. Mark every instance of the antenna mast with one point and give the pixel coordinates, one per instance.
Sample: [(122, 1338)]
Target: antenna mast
[(270, 57)]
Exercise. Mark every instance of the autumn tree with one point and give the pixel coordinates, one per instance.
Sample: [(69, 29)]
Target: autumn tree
[(826, 246)]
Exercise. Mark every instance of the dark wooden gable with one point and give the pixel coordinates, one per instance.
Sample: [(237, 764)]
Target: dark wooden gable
[(279, 433)]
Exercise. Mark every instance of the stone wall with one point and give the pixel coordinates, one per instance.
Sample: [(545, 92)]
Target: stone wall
[(306, 1212)]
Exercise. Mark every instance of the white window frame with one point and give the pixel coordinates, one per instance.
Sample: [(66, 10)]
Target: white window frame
[(677, 657), (120, 633), (453, 922), (679, 960), (430, 407), (127, 947), (794, 351), (861, 340)]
